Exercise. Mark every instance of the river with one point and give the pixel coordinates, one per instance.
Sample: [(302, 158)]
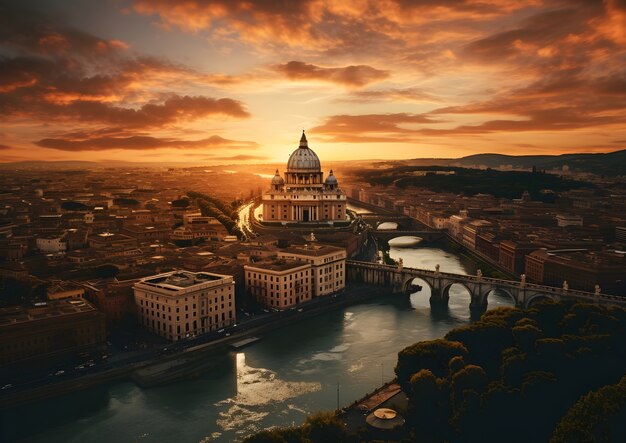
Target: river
[(275, 382)]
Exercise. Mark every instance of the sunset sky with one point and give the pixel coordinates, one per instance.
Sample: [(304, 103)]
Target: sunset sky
[(226, 81)]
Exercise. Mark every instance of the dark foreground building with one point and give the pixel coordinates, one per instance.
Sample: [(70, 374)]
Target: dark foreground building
[(58, 327)]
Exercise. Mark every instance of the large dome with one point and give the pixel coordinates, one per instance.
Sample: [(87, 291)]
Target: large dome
[(303, 158)]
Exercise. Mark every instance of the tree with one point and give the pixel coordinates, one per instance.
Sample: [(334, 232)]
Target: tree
[(455, 365), (266, 436), (596, 417), (106, 271), (429, 405), (74, 206), (471, 377), (126, 202), (13, 292), (324, 427), (433, 355), (180, 203), (525, 336)]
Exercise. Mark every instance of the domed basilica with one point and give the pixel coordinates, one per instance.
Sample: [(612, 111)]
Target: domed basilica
[(303, 195)]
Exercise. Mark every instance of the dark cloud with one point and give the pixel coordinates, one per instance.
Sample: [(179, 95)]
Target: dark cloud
[(48, 90), (27, 31), (78, 142), (354, 76)]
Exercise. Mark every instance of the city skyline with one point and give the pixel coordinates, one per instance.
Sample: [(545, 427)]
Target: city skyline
[(234, 82)]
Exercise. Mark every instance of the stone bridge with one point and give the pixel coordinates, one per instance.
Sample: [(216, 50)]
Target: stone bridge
[(375, 220), (428, 235), (523, 294)]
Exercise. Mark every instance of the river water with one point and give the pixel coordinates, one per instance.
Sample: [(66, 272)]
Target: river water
[(277, 381)]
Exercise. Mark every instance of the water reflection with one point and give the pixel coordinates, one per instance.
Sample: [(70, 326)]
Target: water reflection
[(387, 226), (405, 241), (259, 392)]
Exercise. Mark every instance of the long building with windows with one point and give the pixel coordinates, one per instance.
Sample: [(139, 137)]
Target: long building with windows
[(279, 284), (182, 304), (328, 265), (303, 195)]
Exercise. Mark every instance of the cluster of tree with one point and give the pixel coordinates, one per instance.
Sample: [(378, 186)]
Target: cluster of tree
[(514, 374), (222, 211), (128, 202), (226, 208), (597, 416), (507, 184), (16, 292), (180, 203), (322, 427), (74, 206), (101, 271)]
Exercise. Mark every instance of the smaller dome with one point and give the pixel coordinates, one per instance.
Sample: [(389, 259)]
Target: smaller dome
[(277, 179), (331, 179)]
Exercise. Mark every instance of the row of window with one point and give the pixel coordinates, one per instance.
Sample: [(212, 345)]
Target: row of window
[(169, 308), (162, 315), (254, 275), (159, 327), (156, 297)]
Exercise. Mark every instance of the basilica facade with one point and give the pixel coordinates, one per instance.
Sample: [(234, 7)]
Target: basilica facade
[(303, 195)]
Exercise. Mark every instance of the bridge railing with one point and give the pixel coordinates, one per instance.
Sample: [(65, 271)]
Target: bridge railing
[(501, 282), (407, 231)]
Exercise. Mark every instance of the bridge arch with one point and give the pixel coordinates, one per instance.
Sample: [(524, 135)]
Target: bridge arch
[(537, 297), (445, 291), (406, 285), (484, 297), (398, 226)]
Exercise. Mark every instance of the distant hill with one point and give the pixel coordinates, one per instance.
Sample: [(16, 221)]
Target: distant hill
[(613, 163), (42, 164)]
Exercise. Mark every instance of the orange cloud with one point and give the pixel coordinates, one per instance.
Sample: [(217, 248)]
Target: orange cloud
[(351, 76), (392, 95), (372, 128)]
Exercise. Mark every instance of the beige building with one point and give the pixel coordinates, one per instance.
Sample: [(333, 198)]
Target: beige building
[(181, 304), (303, 195), (328, 266), (279, 284)]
